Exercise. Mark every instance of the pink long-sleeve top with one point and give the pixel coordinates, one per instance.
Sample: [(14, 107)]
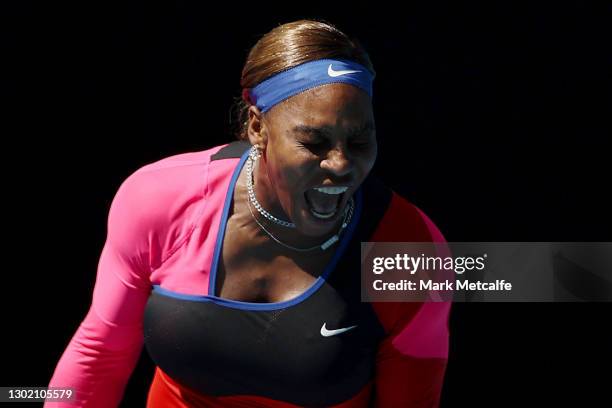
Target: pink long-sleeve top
[(155, 281)]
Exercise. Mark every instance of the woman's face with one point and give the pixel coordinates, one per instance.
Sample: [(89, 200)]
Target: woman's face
[(318, 148)]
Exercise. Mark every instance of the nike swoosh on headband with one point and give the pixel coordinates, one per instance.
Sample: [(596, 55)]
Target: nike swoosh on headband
[(333, 74), (308, 75), (329, 333)]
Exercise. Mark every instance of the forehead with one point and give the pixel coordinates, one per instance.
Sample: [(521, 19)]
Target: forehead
[(329, 104)]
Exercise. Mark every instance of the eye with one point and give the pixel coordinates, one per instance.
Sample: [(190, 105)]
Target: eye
[(315, 146), (317, 143)]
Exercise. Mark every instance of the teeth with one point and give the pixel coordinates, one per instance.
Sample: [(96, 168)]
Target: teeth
[(321, 215), (331, 190)]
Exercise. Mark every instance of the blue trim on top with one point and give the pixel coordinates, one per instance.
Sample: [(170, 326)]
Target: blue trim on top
[(221, 233), (237, 304)]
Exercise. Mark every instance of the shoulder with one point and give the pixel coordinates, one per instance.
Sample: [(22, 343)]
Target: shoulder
[(184, 176), (398, 218), (158, 204)]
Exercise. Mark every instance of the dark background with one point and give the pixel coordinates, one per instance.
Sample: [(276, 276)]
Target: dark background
[(492, 118)]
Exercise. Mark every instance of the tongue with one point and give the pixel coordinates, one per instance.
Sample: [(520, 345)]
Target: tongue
[(321, 202)]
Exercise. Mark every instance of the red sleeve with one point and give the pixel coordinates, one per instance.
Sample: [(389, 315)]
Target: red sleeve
[(412, 359)]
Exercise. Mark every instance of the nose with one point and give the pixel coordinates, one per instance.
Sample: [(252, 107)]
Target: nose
[(337, 162)]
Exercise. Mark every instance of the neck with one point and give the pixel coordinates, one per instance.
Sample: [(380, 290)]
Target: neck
[(250, 223), (265, 192)]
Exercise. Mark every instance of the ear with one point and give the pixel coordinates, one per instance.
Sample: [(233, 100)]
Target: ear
[(256, 129)]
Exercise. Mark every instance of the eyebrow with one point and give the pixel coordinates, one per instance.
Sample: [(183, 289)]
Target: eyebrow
[(326, 130)]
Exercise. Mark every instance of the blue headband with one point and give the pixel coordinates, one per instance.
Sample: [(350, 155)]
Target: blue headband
[(309, 75)]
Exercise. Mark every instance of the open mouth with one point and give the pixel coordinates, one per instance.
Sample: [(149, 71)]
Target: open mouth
[(324, 202)]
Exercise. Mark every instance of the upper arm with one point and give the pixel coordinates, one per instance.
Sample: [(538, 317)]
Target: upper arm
[(412, 358), (104, 349), (122, 281)]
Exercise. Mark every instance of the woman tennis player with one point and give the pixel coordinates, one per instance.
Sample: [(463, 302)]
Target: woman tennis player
[(238, 267)]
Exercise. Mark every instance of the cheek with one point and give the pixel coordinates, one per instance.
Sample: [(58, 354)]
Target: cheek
[(366, 161), (287, 172), (373, 158)]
